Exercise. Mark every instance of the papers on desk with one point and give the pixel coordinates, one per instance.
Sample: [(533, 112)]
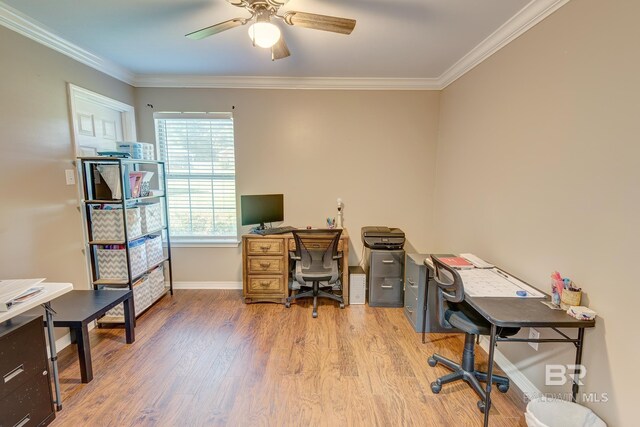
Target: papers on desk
[(17, 291), (495, 283)]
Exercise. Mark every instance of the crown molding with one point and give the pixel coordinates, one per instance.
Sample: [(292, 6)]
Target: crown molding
[(254, 82), (22, 24), (534, 12)]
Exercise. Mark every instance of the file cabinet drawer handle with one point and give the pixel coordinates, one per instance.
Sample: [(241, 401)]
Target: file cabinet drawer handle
[(14, 373), (24, 421), (265, 264), (388, 261), (386, 286), (265, 247), (263, 283)]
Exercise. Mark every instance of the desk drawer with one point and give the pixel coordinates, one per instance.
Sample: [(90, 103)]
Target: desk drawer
[(29, 405), (386, 292), (265, 284), (262, 265), (317, 244), (265, 246), (412, 307), (22, 355), (387, 263)]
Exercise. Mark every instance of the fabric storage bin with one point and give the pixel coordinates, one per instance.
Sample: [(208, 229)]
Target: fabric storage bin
[(141, 298), (150, 217), (154, 250), (112, 263), (156, 283), (107, 224)]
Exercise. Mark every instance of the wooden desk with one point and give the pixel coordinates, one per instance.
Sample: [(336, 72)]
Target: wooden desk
[(265, 266)]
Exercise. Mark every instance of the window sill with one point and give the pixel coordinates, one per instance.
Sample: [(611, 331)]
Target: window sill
[(204, 244)]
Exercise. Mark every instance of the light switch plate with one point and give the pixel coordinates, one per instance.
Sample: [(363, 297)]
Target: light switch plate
[(534, 335), (70, 176)]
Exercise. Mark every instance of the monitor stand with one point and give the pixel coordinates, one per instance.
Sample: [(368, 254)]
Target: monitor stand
[(258, 227)]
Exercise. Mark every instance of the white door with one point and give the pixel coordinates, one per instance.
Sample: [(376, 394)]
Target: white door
[(99, 123)]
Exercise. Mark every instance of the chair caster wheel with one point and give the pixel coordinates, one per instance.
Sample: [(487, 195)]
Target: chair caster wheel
[(482, 406), (435, 387), (432, 362), (341, 305), (314, 315), (287, 304), (503, 388)]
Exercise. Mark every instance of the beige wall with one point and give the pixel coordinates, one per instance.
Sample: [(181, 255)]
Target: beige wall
[(374, 149), (40, 227), (538, 169)]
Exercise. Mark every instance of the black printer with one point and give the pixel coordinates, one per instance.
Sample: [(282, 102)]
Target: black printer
[(382, 238)]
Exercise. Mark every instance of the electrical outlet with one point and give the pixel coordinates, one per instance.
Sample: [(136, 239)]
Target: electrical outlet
[(534, 335), (70, 176)]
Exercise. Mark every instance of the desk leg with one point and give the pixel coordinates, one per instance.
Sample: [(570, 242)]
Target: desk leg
[(345, 272), (425, 301), (54, 354), (84, 353), (487, 402), (579, 346), (129, 318)]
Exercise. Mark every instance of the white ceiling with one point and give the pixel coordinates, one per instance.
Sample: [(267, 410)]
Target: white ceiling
[(392, 39)]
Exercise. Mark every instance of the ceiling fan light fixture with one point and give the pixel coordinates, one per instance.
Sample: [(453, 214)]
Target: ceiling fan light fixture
[(264, 34)]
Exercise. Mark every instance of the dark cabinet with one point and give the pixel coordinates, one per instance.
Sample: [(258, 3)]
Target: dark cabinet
[(25, 382)]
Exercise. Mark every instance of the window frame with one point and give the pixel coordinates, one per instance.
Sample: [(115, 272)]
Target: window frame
[(198, 241)]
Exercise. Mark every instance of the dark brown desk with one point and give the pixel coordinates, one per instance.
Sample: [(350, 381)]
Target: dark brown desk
[(76, 309), (526, 313)]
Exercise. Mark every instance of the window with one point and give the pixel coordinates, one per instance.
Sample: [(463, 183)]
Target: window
[(198, 149)]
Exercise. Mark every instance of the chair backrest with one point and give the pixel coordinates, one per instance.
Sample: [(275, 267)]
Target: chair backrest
[(448, 280), (317, 246)]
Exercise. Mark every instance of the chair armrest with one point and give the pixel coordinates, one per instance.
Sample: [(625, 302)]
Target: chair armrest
[(292, 255), (338, 256)]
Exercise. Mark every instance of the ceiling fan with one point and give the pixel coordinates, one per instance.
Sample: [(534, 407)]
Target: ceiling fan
[(264, 33)]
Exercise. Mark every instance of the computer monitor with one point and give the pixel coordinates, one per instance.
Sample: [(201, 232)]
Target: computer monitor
[(258, 209)]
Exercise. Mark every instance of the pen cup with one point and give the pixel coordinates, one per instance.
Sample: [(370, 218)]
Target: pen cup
[(570, 298)]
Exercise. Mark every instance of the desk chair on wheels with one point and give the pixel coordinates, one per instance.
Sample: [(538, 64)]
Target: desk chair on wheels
[(462, 316), (316, 260)]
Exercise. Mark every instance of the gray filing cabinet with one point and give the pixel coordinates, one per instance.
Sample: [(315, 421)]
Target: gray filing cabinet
[(417, 276), (385, 274)]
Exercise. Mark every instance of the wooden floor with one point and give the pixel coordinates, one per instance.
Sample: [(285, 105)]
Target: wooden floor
[(203, 358)]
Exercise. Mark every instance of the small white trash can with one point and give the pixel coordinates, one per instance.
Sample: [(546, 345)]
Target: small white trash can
[(543, 412)]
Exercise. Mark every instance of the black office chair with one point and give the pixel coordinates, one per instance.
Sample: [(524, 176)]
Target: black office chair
[(316, 265), (462, 316)]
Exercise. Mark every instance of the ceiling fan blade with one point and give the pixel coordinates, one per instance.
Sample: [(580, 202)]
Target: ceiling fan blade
[(320, 22), (218, 28), (280, 50)]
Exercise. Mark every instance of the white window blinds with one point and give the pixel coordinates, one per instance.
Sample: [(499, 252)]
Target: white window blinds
[(198, 150)]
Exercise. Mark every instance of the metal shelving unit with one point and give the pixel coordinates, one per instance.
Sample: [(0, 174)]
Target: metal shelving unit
[(90, 199)]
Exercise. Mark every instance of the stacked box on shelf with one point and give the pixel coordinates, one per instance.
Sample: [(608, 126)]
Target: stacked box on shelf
[(138, 150), (108, 224), (154, 251), (141, 298), (150, 216), (156, 282), (112, 260)]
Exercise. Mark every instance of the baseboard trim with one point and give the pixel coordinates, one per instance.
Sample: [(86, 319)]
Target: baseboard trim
[(207, 285), (525, 387)]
